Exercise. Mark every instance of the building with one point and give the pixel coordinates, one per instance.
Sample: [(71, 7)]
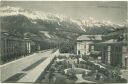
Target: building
[(16, 45), (32, 42), (84, 41), (125, 56), (12, 47), (120, 36), (111, 52)]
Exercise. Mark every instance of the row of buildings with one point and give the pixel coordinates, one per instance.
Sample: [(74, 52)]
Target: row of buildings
[(112, 47), (15, 46)]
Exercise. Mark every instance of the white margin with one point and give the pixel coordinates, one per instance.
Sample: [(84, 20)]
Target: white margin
[(63, 0)]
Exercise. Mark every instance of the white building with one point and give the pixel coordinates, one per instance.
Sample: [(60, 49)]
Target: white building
[(84, 41)]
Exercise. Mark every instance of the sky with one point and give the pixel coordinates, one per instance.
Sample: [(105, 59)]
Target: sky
[(114, 11)]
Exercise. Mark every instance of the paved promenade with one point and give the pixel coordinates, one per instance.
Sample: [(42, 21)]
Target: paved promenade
[(26, 69), (33, 75)]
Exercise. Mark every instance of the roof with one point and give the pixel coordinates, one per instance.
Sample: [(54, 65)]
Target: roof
[(89, 37), (110, 42), (119, 31)]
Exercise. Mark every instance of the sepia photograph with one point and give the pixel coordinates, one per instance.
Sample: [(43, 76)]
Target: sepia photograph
[(63, 42)]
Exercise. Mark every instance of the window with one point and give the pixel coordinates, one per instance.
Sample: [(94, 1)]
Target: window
[(109, 48), (109, 54), (92, 48)]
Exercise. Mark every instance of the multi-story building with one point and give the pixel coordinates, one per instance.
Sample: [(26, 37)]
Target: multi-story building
[(121, 36), (15, 45), (84, 41), (111, 52)]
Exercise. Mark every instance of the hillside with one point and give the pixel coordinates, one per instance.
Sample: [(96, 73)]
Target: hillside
[(51, 27)]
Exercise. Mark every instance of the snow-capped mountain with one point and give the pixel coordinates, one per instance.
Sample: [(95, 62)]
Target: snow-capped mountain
[(50, 27), (91, 22), (54, 22), (34, 15), (8, 11)]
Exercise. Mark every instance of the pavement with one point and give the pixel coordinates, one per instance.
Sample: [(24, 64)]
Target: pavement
[(32, 72), (81, 80), (34, 65)]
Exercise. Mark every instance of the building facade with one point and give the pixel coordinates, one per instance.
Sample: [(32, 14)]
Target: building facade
[(84, 42), (111, 50), (16, 46), (111, 53)]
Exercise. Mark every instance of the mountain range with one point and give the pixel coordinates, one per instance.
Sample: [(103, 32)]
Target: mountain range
[(51, 27)]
